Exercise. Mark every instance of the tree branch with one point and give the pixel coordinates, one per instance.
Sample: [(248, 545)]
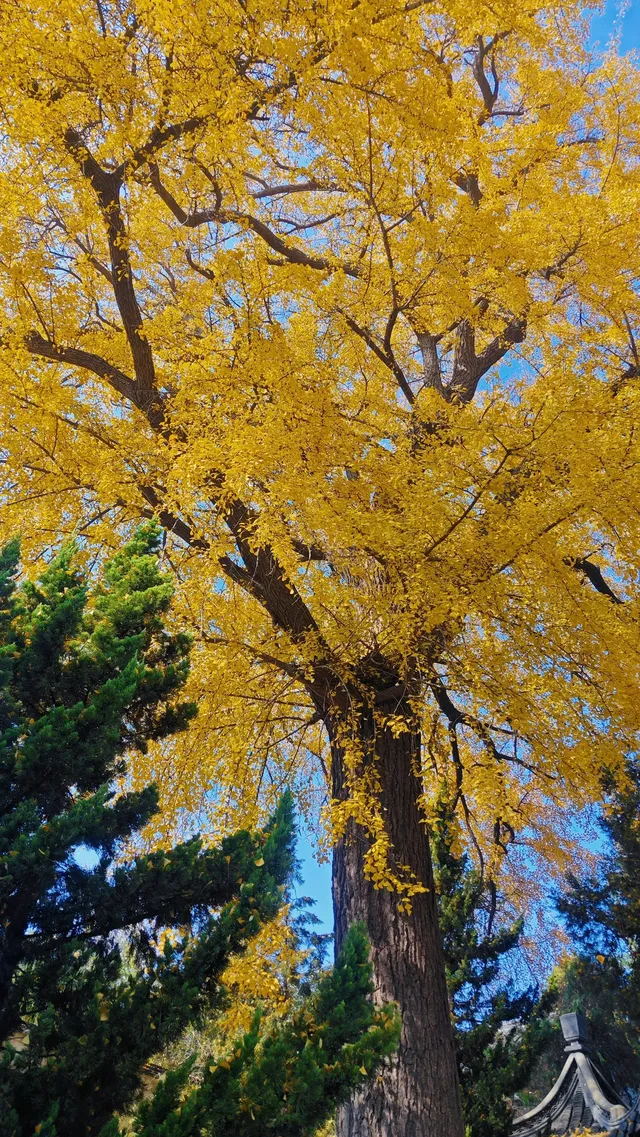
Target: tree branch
[(264, 578), (428, 345), (259, 574), (120, 382), (468, 182), (158, 138), (489, 91), (97, 264), (308, 552), (594, 576), (172, 132), (291, 253), (107, 188), (309, 186), (515, 332), (469, 368), (385, 356)]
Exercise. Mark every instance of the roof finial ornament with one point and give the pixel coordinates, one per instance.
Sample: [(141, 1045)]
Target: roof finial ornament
[(576, 1032), (581, 1098)]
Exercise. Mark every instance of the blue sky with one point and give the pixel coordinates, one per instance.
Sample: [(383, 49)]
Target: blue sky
[(619, 16), (316, 883)]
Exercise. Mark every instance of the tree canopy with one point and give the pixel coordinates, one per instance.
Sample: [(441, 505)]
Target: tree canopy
[(345, 296), (258, 278)]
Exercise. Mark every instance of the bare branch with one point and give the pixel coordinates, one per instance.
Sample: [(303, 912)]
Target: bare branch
[(632, 340), (201, 269), (309, 186), (170, 522), (93, 260), (489, 93), (291, 253), (190, 220), (103, 25), (488, 89), (514, 332)]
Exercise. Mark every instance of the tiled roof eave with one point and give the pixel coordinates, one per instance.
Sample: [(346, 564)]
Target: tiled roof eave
[(576, 1101)]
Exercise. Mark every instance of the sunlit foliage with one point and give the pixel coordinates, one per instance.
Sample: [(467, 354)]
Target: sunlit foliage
[(346, 296)]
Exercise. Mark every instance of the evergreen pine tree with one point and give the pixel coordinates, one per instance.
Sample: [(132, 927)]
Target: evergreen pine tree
[(499, 1031), (290, 1080), (596, 986), (602, 913), (90, 987)]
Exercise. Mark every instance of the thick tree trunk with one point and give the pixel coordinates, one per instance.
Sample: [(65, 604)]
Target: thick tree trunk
[(418, 1095)]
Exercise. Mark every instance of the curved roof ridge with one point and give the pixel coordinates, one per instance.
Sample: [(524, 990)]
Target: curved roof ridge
[(579, 1098)]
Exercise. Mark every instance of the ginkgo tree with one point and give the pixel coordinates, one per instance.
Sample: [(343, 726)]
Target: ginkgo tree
[(346, 296)]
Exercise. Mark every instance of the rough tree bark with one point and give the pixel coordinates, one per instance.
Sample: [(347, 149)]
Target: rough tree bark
[(418, 1094)]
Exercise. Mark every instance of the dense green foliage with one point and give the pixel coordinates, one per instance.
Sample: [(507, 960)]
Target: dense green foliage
[(602, 977), (290, 1080), (595, 986), (84, 676), (499, 1031), (91, 985), (602, 913)]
